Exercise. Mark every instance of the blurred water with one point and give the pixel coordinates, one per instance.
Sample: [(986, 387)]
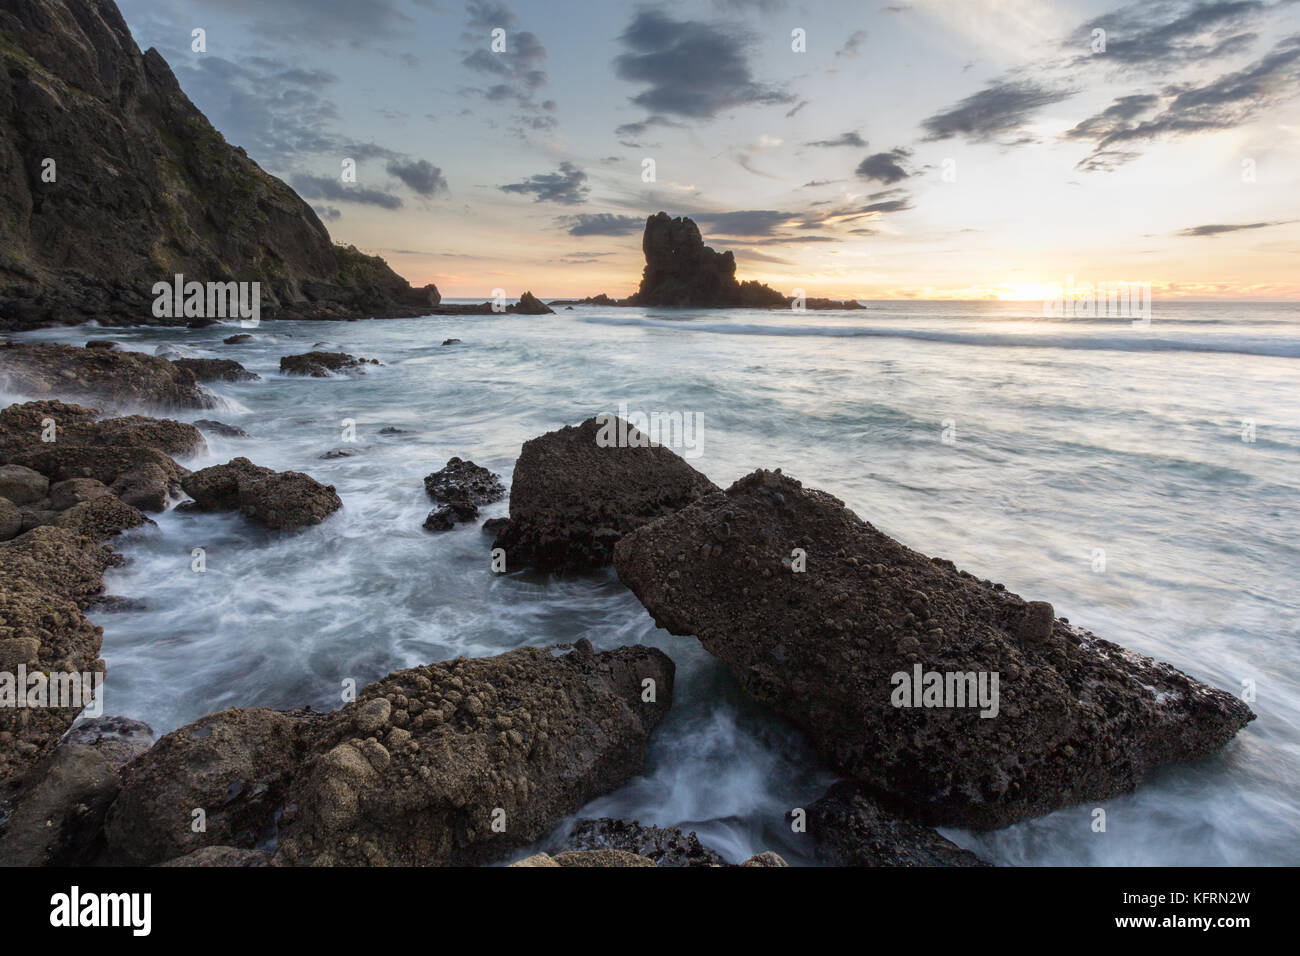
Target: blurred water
[(1070, 436)]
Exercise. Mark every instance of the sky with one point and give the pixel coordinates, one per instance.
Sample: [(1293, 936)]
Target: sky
[(982, 149)]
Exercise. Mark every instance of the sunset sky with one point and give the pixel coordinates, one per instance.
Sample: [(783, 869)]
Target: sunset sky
[(919, 149)]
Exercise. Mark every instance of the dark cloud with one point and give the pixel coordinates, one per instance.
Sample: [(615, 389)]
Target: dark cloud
[(327, 187), (421, 175), (853, 45), (796, 108), (745, 222), (517, 71), (328, 213), (487, 15), (1164, 36), (997, 112), (692, 69), (850, 138), (1225, 102), (567, 186), (885, 167), (630, 131), (1218, 230), (602, 224)]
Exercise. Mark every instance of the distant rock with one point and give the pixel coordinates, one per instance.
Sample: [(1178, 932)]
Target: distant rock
[(572, 499), (681, 271), (277, 499), (238, 339), (119, 378), (451, 342), (846, 647), (217, 370), (529, 304), (322, 364)]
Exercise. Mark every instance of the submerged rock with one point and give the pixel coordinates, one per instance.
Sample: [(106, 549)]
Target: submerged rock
[(573, 496), (217, 370), (277, 499), (836, 646), (219, 428), (237, 339), (120, 378), (322, 364)]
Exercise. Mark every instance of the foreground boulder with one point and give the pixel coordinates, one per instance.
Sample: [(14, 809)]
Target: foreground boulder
[(323, 364), (462, 762), (459, 488), (839, 648), (277, 499), (453, 763), (852, 829), (118, 378), (573, 496)]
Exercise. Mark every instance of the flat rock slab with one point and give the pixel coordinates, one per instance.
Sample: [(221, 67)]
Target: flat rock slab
[(120, 378), (837, 648)]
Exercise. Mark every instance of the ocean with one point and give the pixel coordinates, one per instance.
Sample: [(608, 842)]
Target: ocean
[(1145, 480)]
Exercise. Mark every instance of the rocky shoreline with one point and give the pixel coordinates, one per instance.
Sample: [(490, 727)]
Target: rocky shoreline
[(474, 761)]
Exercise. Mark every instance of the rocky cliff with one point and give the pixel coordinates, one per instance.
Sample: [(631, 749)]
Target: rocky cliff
[(680, 270), (112, 180)]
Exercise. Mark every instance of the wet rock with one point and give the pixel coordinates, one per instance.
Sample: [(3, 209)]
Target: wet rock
[(1076, 718), (529, 304), (118, 739), (665, 846), (464, 482), (238, 339), (216, 370), (447, 517), (322, 364), (122, 378), (601, 858), (58, 820), (767, 858), (278, 500), (101, 344), (101, 517), (218, 428), (572, 498), (494, 526), (852, 829), (233, 766), (471, 759), (22, 486), (73, 491), (222, 856), (451, 341)]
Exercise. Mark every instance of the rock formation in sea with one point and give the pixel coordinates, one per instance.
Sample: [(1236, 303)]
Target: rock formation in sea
[(681, 271), (888, 660), (574, 495), (84, 113), (279, 500), (458, 489), (322, 364)]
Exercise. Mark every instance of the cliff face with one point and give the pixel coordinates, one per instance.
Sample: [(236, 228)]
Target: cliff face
[(680, 270), (143, 188)]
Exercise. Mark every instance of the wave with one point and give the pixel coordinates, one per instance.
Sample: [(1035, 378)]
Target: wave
[(1137, 342)]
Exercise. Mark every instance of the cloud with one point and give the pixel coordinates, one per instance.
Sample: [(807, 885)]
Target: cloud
[(327, 187), (421, 175), (853, 45), (602, 224), (1230, 100), (1217, 230), (567, 186), (1164, 36), (998, 111), (885, 167), (850, 138), (692, 69), (745, 222), (328, 213)]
